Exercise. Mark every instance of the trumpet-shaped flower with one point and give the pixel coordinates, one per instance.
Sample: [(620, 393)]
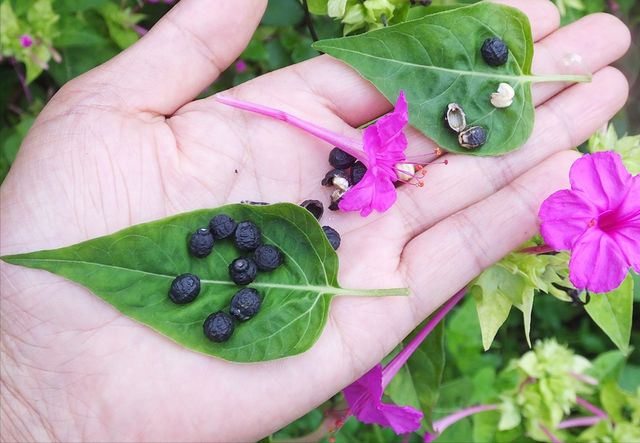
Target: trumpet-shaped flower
[(364, 396), (598, 220), (381, 149)]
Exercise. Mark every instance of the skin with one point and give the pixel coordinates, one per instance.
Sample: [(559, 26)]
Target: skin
[(126, 143)]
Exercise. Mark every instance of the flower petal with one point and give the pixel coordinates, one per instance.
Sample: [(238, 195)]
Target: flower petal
[(627, 232), (391, 125), (364, 399), (370, 193), (565, 216), (602, 177), (597, 263)]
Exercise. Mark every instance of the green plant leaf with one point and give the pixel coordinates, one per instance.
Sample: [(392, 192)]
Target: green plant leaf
[(436, 60), (133, 269), (612, 311)]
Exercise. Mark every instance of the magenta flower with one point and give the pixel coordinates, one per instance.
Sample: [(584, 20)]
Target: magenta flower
[(598, 219), (364, 396), (447, 421), (381, 149), (26, 41)]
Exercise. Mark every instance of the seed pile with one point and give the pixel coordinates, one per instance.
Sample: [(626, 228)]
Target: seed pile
[(246, 302), (347, 172)]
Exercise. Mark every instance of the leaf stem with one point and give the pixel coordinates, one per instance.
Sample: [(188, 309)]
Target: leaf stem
[(374, 292), (559, 78)]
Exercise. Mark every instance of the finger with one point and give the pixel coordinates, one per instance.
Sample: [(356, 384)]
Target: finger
[(599, 39), (563, 122), (182, 54)]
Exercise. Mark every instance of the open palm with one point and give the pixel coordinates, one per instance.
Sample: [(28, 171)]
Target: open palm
[(125, 144)]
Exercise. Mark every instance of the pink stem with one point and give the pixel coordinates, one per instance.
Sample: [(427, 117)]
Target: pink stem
[(599, 412), (394, 366), (582, 421), (447, 421), (347, 144), (550, 435), (539, 249)]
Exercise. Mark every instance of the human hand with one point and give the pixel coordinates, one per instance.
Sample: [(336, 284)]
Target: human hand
[(125, 144)]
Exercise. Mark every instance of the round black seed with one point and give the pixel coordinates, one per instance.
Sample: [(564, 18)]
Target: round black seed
[(218, 327), (473, 137), (267, 257), (201, 243), (340, 159), (247, 236), (337, 177), (357, 172), (184, 289), (245, 304), (495, 51), (332, 236), (314, 206), (243, 270), (222, 226)]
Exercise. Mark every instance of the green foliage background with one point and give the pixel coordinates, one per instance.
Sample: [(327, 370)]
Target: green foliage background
[(470, 374)]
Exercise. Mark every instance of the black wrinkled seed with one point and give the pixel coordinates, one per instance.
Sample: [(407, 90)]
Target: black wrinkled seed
[(340, 159), (494, 51), (247, 236), (267, 257), (184, 288), (245, 304), (336, 174), (218, 327), (243, 270), (472, 137), (222, 226), (334, 205), (201, 243), (314, 206), (332, 236), (357, 172)]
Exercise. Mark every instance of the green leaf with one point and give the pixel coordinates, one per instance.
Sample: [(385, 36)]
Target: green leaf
[(436, 60), (133, 269), (283, 13), (612, 312), (493, 305), (608, 366)]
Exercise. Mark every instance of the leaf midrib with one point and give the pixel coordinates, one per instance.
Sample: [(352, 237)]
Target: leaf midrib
[(520, 78)]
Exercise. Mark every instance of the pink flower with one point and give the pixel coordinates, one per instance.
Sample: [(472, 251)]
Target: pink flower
[(598, 219), (26, 41), (384, 144), (364, 397), (381, 149)]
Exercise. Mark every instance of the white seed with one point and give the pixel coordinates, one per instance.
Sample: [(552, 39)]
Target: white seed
[(409, 168), (341, 183), (504, 96)]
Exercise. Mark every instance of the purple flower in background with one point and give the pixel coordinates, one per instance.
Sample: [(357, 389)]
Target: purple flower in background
[(241, 66), (26, 41), (381, 150), (598, 219)]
